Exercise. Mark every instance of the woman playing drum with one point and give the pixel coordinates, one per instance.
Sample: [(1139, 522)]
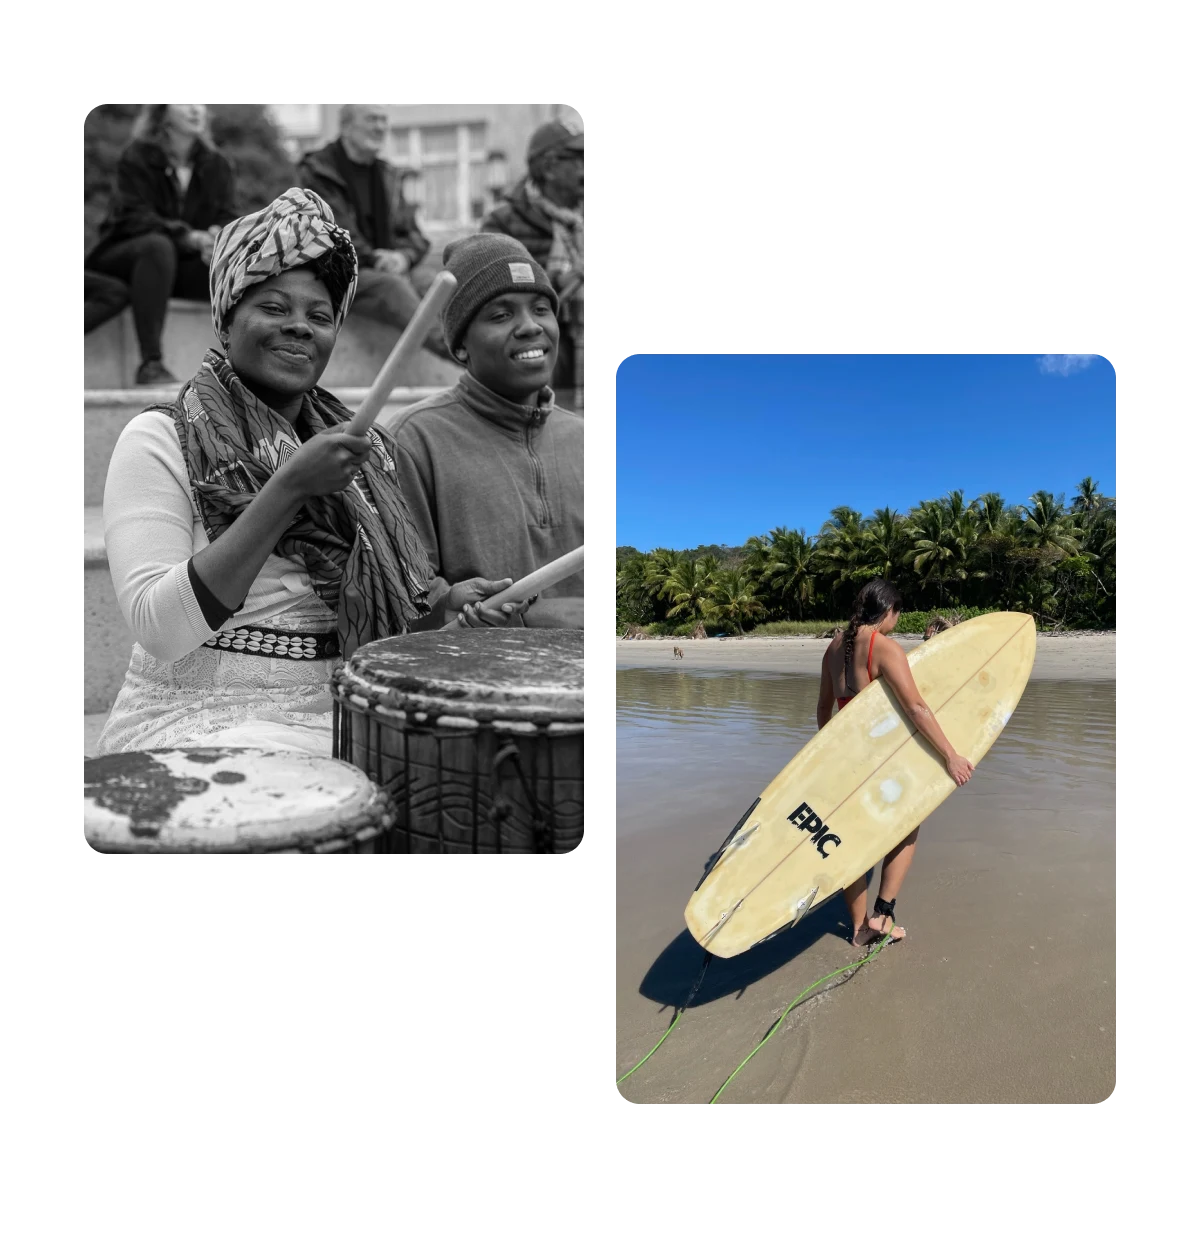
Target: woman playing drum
[(251, 539)]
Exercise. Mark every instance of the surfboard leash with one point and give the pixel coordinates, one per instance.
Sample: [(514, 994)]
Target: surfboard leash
[(696, 986), (790, 1006), (678, 1014)]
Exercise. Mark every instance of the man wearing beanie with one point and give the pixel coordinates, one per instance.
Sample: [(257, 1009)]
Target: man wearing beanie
[(545, 213), (492, 469)]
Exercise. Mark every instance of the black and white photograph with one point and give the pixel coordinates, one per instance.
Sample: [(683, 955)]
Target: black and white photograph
[(333, 486)]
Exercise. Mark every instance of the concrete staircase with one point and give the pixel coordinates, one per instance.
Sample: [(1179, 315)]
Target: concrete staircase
[(110, 401), (110, 353)]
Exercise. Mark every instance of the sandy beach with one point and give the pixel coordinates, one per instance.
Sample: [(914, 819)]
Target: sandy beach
[(1060, 656), (1004, 990)]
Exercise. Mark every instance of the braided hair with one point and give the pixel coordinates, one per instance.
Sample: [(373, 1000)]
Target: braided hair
[(874, 601)]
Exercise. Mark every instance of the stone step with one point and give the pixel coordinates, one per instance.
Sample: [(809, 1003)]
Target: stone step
[(111, 356), (106, 412)]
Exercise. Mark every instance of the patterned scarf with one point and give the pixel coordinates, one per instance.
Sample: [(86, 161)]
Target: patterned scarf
[(566, 246), (360, 547)]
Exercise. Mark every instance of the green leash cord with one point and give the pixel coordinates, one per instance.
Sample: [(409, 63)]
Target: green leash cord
[(770, 1033), (684, 1008)]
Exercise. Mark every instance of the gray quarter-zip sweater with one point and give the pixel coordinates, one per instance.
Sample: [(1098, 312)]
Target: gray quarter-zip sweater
[(495, 488)]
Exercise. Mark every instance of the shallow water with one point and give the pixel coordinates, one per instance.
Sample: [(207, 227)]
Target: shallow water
[(689, 743)]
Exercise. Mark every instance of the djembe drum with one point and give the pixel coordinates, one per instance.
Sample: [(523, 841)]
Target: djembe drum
[(231, 800), (477, 734)]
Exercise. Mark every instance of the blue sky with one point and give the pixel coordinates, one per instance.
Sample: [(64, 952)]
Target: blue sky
[(715, 448)]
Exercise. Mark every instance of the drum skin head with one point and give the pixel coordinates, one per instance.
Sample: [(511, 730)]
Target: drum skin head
[(228, 800), (477, 673)]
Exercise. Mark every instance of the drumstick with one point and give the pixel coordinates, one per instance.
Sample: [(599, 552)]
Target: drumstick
[(411, 339), (537, 581)]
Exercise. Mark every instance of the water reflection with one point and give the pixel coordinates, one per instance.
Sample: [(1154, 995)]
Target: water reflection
[(698, 742)]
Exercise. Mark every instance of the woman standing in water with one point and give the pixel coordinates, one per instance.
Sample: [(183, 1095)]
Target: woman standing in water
[(849, 665)]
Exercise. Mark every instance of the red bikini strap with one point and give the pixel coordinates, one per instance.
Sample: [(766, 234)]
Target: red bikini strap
[(870, 647)]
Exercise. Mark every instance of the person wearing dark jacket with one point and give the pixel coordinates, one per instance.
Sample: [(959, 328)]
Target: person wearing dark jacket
[(362, 191), (174, 192), (545, 213)]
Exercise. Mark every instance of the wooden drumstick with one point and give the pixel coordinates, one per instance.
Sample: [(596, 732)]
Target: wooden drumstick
[(411, 339), (537, 581)]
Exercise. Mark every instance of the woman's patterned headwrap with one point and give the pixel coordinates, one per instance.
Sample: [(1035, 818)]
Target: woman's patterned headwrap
[(297, 228)]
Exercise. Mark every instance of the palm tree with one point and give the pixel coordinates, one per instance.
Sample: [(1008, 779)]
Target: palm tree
[(1088, 500), (941, 545), (708, 564), (840, 546), (1099, 541), (1047, 524), (732, 599), (790, 567), (660, 563), (991, 532), (635, 597), (686, 586), (757, 558), (954, 506), (988, 512), (885, 542)]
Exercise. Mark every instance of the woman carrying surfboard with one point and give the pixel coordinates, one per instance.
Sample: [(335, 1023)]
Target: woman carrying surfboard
[(849, 665)]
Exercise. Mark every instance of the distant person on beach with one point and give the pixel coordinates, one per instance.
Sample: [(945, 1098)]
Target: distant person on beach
[(848, 666), (937, 625), (174, 192)]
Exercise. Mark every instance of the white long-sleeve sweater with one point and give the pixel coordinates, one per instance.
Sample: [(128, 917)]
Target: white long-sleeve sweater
[(151, 530)]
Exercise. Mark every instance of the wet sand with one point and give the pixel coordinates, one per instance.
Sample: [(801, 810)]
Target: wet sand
[(1060, 656), (1004, 991)]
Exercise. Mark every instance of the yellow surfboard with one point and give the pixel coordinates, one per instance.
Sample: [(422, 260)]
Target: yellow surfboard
[(860, 785)]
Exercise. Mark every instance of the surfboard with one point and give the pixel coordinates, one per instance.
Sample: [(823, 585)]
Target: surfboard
[(860, 785)]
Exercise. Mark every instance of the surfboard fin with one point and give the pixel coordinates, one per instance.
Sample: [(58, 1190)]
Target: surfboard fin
[(725, 916), (802, 906)]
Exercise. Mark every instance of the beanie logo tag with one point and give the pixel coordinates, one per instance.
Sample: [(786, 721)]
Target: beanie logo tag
[(521, 273)]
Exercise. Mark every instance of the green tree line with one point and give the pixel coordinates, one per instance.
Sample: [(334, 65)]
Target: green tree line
[(1053, 559)]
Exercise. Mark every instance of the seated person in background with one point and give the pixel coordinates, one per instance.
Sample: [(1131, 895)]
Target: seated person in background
[(174, 192), (104, 297), (492, 469), (251, 538), (361, 190), (545, 214)]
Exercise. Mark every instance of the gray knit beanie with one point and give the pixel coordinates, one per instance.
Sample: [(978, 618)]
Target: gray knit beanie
[(486, 265)]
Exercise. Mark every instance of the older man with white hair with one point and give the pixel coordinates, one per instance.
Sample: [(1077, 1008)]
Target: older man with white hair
[(360, 188)]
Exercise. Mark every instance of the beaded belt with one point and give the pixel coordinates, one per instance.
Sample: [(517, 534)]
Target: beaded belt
[(277, 643)]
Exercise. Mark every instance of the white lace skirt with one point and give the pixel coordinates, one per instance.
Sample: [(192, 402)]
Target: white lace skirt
[(221, 697)]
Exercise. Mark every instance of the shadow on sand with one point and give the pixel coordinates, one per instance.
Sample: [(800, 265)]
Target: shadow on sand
[(670, 978)]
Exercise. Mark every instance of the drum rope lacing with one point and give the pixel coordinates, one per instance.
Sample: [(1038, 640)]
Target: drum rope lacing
[(508, 761), (503, 805)]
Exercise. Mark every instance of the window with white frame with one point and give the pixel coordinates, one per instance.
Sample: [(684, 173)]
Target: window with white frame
[(452, 163)]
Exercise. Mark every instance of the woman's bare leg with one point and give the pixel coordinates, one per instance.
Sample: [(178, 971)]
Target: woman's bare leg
[(856, 901), (895, 866)]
